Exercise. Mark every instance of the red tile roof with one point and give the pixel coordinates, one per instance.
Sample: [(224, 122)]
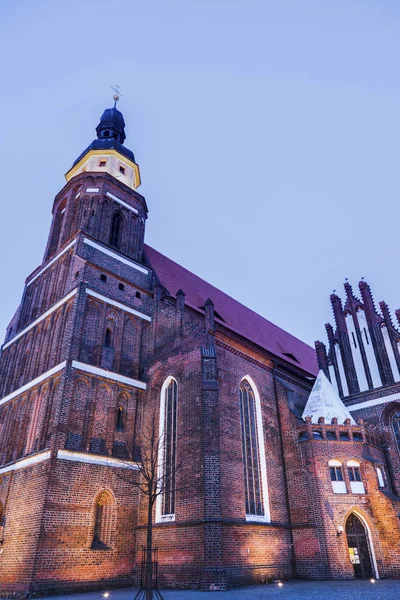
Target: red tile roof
[(234, 316)]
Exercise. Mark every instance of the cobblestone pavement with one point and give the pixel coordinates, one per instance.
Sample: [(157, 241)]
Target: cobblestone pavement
[(307, 590)]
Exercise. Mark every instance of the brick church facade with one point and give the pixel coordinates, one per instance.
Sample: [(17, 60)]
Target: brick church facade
[(290, 462)]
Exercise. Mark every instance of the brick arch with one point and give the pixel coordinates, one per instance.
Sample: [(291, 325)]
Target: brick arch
[(102, 531), (388, 411), (369, 528), (123, 399), (336, 457)]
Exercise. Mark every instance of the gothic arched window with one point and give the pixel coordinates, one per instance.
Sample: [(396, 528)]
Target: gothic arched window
[(396, 427), (167, 458), (103, 524), (253, 452), (116, 230)]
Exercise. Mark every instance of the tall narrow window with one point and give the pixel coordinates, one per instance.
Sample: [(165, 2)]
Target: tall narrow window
[(103, 523), (253, 451), (108, 338), (120, 419), (354, 339), (167, 458), (379, 475), (396, 428), (116, 230)]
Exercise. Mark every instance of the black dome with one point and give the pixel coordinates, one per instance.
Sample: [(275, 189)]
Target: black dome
[(112, 125)]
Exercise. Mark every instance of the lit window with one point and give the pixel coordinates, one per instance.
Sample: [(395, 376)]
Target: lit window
[(336, 476), (354, 472), (102, 163), (165, 507), (253, 452), (379, 475)]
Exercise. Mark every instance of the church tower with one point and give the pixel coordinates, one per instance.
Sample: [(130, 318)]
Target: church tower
[(71, 379)]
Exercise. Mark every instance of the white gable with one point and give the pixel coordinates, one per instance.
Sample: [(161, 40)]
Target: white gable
[(324, 401)]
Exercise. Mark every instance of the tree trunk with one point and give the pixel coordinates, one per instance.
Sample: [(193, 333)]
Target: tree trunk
[(149, 553)]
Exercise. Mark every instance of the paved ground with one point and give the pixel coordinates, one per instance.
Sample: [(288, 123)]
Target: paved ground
[(332, 590)]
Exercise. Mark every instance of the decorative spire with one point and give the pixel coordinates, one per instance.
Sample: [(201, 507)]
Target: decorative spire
[(117, 94)]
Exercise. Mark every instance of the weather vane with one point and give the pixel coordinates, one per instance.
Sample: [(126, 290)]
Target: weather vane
[(117, 94)]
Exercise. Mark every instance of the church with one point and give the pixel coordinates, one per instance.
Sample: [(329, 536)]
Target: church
[(280, 461)]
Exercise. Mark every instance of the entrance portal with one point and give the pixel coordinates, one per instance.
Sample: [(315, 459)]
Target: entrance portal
[(358, 544)]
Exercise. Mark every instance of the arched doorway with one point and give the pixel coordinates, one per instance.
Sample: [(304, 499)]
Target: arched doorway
[(359, 550)]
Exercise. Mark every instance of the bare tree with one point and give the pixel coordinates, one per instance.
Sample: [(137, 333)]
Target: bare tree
[(153, 475)]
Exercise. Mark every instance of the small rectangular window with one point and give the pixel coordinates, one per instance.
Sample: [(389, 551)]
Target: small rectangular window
[(336, 473), (121, 286), (102, 163), (138, 295), (76, 274), (103, 277), (354, 473), (122, 170)]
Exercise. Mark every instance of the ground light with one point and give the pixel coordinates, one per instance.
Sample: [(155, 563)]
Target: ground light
[(280, 584), (105, 595), (372, 580)]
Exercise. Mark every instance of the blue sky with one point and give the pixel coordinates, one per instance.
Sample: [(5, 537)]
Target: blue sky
[(268, 136)]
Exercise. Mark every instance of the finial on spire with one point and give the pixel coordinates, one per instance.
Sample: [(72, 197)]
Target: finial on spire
[(117, 94)]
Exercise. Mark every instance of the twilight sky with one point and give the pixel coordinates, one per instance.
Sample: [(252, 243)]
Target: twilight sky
[(267, 133)]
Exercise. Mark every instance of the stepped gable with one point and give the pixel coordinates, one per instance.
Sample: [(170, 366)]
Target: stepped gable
[(232, 314), (324, 401)]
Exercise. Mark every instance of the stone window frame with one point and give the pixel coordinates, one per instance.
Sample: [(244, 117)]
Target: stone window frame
[(257, 426), (161, 514)]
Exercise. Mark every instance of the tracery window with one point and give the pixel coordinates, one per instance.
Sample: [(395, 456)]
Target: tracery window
[(103, 524), (253, 485), (167, 453), (396, 427), (116, 230)]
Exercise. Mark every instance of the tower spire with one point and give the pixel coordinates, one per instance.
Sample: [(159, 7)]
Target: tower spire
[(117, 94)]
